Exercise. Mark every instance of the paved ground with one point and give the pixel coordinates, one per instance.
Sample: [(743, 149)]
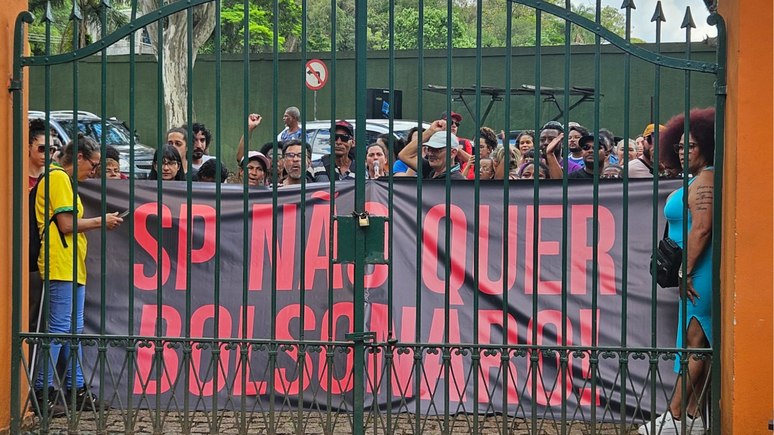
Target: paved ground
[(312, 423)]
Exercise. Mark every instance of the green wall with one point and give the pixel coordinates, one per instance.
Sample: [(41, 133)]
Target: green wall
[(290, 84)]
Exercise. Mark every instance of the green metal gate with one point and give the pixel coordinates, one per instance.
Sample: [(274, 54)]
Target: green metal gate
[(368, 378)]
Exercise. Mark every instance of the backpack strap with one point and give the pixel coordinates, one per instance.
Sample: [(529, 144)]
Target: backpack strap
[(52, 218)]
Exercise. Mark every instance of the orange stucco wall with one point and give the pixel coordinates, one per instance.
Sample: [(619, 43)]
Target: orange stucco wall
[(8, 12), (747, 281)]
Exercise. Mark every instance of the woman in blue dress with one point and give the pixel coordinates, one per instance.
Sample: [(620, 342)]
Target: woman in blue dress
[(699, 150)]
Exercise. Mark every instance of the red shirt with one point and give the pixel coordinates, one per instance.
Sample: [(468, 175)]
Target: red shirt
[(32, 181)]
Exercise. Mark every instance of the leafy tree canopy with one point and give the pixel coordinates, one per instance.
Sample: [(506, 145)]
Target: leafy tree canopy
[(320, 20)]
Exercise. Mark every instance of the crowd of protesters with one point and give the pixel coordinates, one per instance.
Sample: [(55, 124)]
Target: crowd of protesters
[(433, 153), (425, 152)]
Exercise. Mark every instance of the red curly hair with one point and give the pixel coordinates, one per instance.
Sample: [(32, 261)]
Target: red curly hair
[(701, 128)]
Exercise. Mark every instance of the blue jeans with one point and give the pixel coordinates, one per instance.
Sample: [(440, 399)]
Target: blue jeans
[(60, 322)]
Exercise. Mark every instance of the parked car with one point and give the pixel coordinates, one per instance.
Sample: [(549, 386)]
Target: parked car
[(117, 135), (318, 133)]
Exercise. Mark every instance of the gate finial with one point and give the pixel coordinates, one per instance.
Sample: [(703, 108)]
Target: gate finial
[(658, 15), (76, 13), (688, 20), (628, 4), (105, 3), (48, 17)]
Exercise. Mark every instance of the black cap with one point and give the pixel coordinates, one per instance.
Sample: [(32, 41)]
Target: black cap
[(553, 125), (585, 139), (346, 126)]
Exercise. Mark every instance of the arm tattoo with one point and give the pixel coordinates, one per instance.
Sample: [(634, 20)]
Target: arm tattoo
[(704, 198)]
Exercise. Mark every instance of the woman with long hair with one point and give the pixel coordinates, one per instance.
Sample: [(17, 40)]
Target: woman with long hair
[(171, 167), (698, 150)]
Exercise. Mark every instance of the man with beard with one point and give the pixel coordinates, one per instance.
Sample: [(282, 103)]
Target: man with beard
[(343, 159), (591, 164), (576, 132), (201, 144), (293, 151), (553, 158), (434, 143), (642, 167)]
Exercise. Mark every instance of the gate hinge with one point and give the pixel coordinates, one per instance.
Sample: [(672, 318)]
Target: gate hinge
[(720, 90), (16, 85), (368, 337)]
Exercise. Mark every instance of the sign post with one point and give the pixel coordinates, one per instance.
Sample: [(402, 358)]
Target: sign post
[(316, 77)]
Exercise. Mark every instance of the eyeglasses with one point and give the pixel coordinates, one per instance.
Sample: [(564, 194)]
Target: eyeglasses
[(456, 124), (610, 176), (680, 147), (291, 156), (343, 137), (169, 163), (93, 165)]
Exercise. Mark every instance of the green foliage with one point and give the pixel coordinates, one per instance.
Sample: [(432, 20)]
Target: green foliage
[(260, 27), (464, 24), (319, 21), (62, 28), (435, 33)]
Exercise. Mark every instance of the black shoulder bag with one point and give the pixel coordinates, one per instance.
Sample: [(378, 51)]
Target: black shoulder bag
[(669, 258)]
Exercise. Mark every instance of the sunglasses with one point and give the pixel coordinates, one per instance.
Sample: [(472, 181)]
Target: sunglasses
[(42, 149), (343, 137), (588, 146)]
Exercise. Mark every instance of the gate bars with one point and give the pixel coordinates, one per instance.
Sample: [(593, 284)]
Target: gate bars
[(351, 409)]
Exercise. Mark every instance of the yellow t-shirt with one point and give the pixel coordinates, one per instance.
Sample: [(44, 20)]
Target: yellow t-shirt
[(61, 199)]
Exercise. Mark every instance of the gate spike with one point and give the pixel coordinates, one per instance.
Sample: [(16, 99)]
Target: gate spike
[(658, 15), (628, 4), (76, 13), (688, 20), (106, 3), (48, 17)]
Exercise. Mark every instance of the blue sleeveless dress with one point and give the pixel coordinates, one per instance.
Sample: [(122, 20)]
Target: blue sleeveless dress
[(701, 272)]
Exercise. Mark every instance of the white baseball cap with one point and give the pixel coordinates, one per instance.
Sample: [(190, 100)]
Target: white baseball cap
[(438, 140)]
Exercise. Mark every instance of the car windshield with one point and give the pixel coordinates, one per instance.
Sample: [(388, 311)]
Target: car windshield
[(93, 128)]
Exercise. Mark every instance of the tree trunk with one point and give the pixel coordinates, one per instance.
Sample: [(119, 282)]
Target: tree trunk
[(174, 57)]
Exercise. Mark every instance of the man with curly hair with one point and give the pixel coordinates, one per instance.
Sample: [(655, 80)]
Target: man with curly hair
[(201, 145)]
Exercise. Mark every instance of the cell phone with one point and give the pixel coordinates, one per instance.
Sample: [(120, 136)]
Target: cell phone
[(124, 214)]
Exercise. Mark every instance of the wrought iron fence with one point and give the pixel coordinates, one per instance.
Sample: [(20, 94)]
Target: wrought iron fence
[(388, 304)]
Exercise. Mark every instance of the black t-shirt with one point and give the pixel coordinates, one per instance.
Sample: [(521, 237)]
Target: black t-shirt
[(580, 173)]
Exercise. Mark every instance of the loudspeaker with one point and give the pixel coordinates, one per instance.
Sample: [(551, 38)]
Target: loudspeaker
[(378, 105)]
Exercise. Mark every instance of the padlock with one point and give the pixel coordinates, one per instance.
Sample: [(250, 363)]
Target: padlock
[(362, 219)]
